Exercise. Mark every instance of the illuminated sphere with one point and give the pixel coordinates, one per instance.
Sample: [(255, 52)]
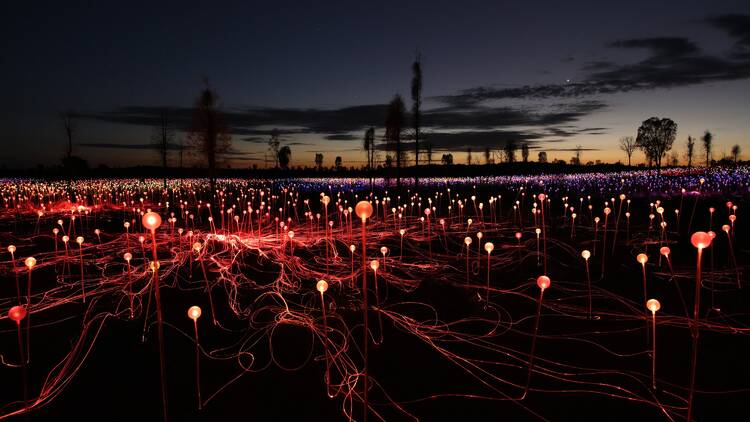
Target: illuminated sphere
[(732, 218), (537, 231), (12, 249), (543, 282), (711, 210), (402, 231), (467, 240), (541, 196), (79, 240), (725, 227), (197, 246), (352, 248), (128, 256), (126, 224), (642, 258), (469, 221), (607, 211), (30, 262), (291, 234), (322, 286), (712, 234), (518, 235), (489, 247), (622, 197), (586, 254), (479, 235), (700, 240), (427, 211), (65, 239), (363, 210), (384, 250), (194, 312), (653, 305), (374, 264), (665, 250), (17, 313), (55, 231), (151, 220), (326, 199)]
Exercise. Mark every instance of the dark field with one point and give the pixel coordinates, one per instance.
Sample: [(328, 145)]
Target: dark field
[(439, 348)]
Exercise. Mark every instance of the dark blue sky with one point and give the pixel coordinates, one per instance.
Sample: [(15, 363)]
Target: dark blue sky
[(591, 71)]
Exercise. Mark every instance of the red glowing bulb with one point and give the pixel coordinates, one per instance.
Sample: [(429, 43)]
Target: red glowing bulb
[(30, 262), (363, 210), (543, 282), (17, 313), (194, 312), (642, 258), (489, 247), (322, 286), (151, 221), (665, 250), (653, 305), (700, 240)]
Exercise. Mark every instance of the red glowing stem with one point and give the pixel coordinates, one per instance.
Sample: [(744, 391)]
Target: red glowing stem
[(197, 365), (695, 332), (159, 327), (533, 343), (364, 311)]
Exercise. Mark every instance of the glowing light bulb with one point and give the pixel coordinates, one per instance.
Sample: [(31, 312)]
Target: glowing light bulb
[(363, 210), (665, 250), (12, 249), (194, 312), (700, 240), (384, 250), (374, 264), (17, 313), (543, 282), (653, 305), (642, 258), (322, 286), (489, 247), (30, 262), (79, 240), (586, 254), (151, 221), (128, 256), (467, 240), (352, 248)]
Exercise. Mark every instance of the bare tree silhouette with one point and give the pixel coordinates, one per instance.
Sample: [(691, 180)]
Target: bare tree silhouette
[(67, 119), (416, 97), (525, 152), (209, 134), (628, 146), (394, 123), (162, 138)]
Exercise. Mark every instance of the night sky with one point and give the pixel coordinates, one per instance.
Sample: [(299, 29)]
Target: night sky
[(554, 74)]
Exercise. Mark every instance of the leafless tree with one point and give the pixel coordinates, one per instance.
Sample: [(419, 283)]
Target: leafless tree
[(394, 124), (162, 138), (209, 133), (628, 146), (525, 152)]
